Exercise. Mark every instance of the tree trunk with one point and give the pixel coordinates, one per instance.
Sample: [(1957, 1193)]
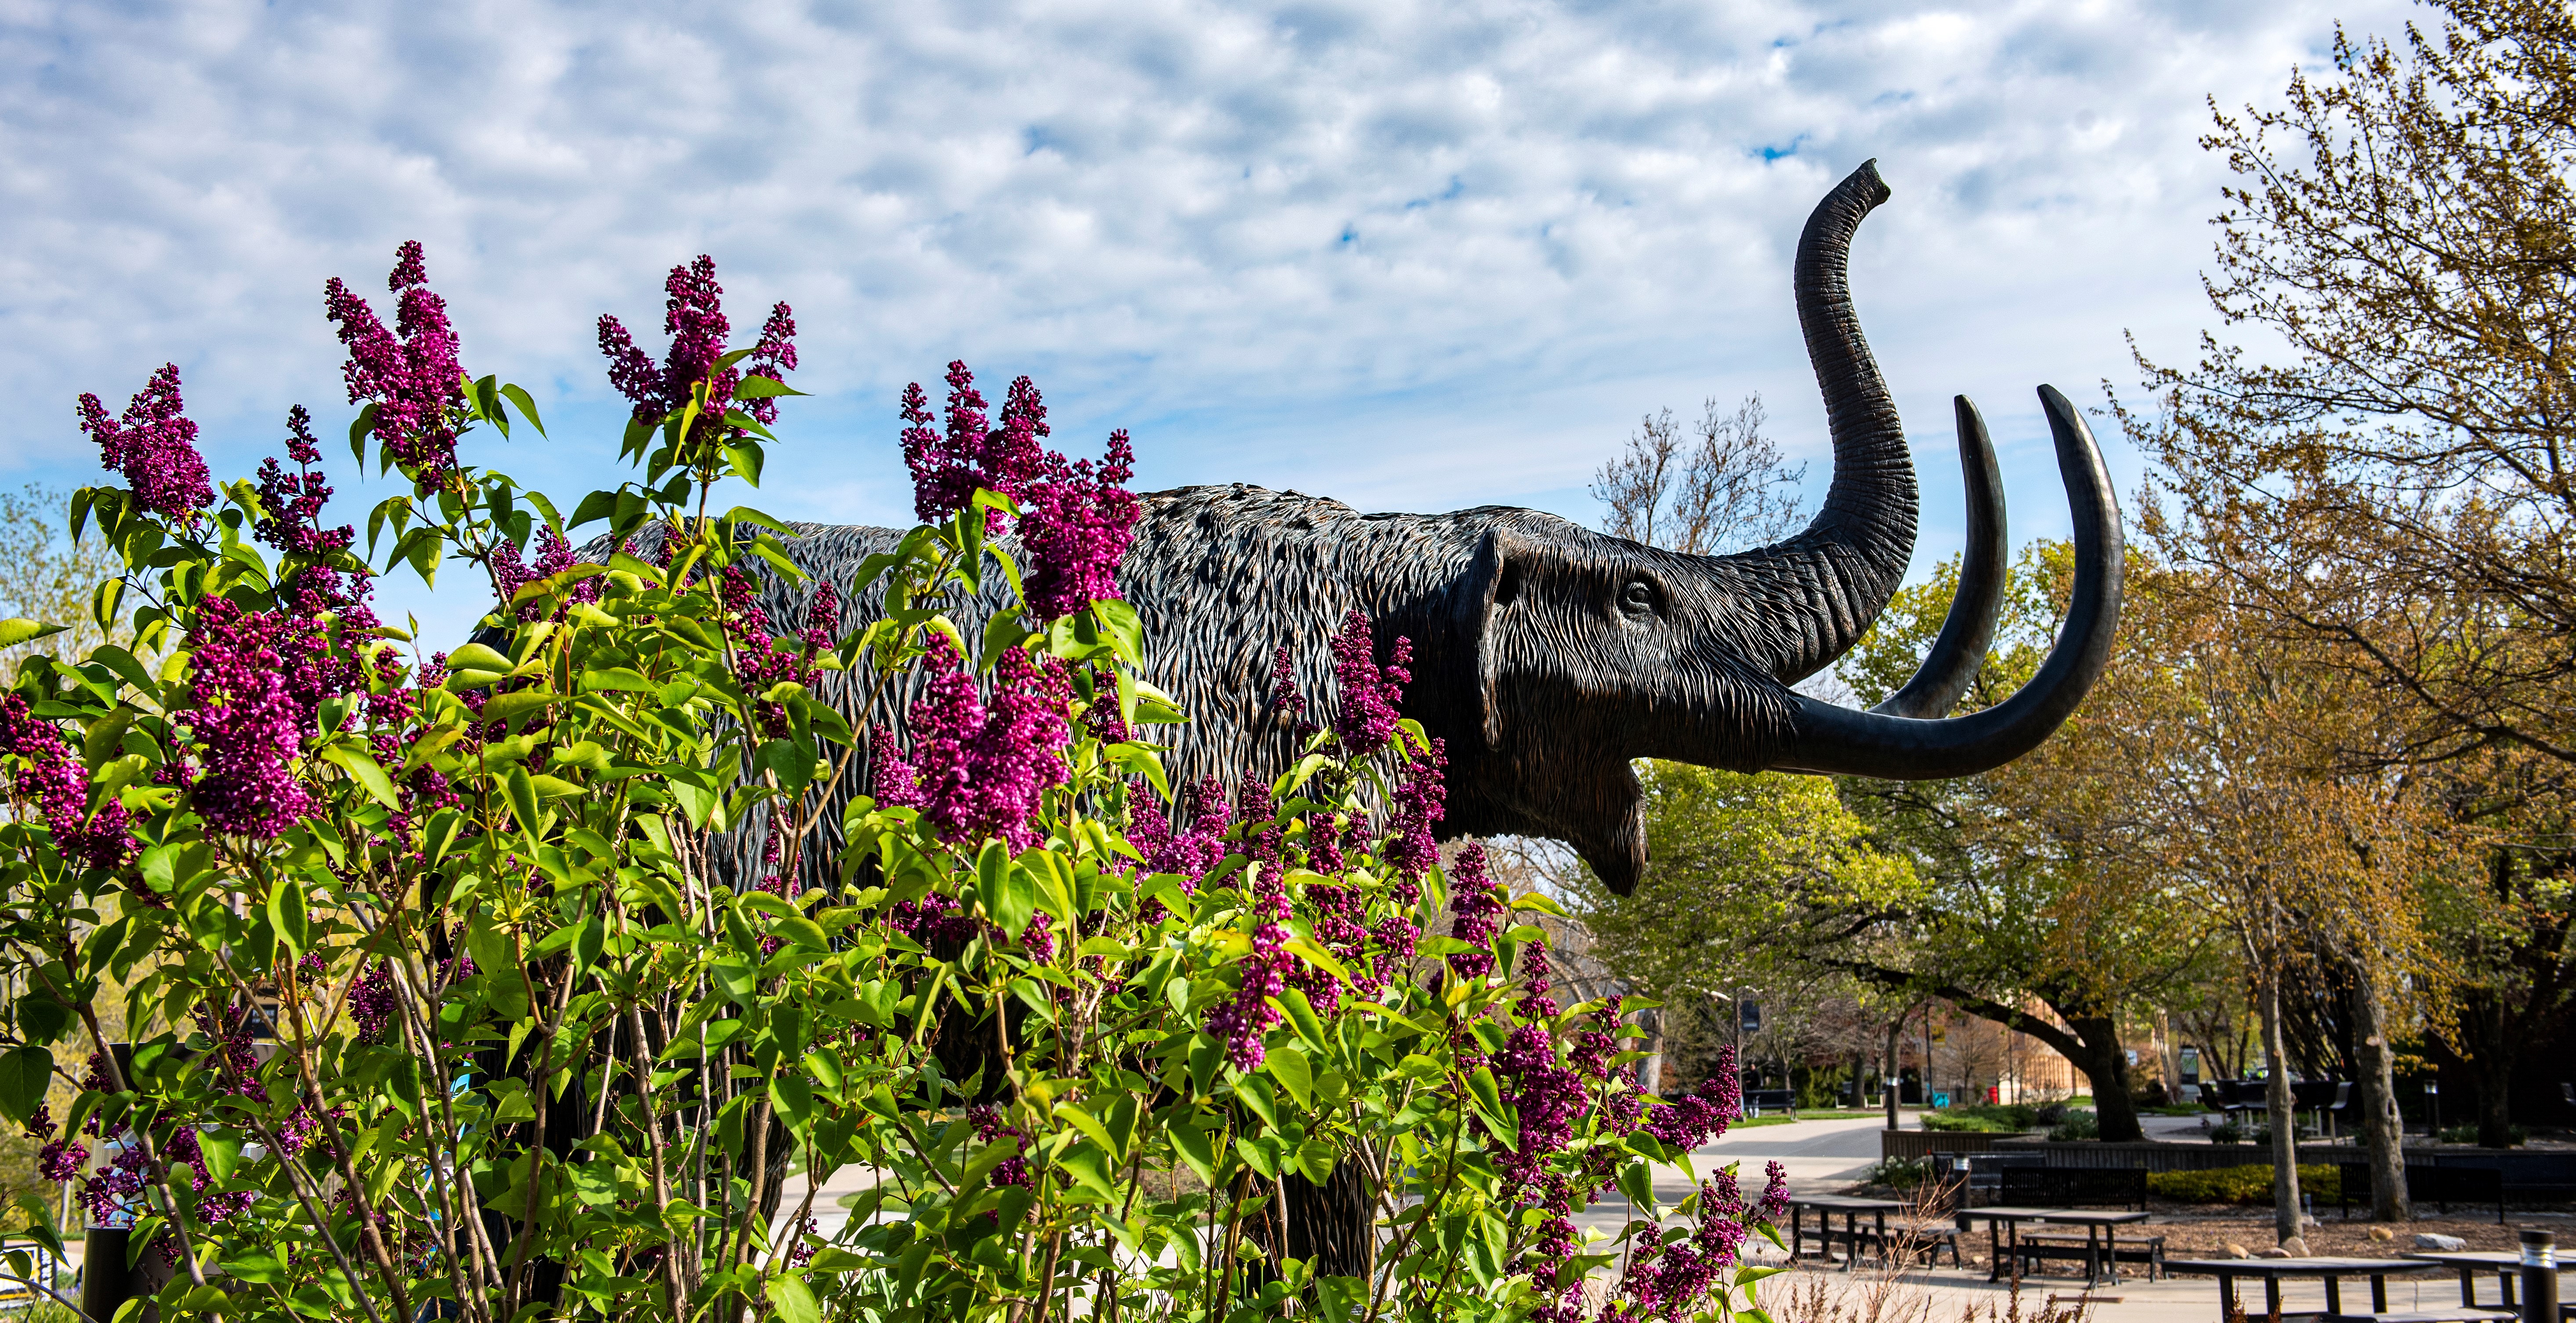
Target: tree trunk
[(2106, 1064), (1895, 1037), (1650, 1072), (2486, 1022), (2375, 1100), (2168, 1058), (2282, 1109)]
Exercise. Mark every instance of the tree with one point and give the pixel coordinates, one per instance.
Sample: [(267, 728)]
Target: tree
[(2393, 486), (2206, 753), (45, 576), (2406, 227), (1724, 489), (2024, 903)]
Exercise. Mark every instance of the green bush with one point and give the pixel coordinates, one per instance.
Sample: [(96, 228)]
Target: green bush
[(1897, 1173), (459, 898), (2077, 1125), (2515, 1136), (1984, 1118), (2250, 1184)]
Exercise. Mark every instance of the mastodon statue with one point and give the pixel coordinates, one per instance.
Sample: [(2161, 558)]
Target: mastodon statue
[(1549, 657)]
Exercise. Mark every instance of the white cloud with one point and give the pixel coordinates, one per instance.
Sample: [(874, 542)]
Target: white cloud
[(1413, 255)]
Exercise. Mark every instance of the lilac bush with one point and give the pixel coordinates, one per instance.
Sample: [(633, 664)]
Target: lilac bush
[(446, 1008)]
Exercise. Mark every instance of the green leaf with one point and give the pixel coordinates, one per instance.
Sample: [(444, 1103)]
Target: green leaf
[(1194, 1147), (1090, 1167), (17, 630), (41, 1018), (510, 707), (1637, 1181), (1301, 1012), (527, 407), (616, 677), (1009, 896), (762, 388), (126, 667), (769, 549), (222, 1151), (477, 657), (287, 915), (1540, 901), (1488, 1099), (745, 457), (359, 426), (1089, 1125), (795, 1300), (1288, 1066), (1126, 631), (1259, 1157), (364, 769), (523, 798), (24, 1073)]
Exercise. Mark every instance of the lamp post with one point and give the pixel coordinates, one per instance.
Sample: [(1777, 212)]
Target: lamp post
[(2433, 1100)]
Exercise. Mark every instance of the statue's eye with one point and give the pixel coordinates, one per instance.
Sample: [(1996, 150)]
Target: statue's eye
[(1638, 598)]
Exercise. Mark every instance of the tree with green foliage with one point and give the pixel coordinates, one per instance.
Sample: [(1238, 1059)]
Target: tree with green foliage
[(2020, 901)]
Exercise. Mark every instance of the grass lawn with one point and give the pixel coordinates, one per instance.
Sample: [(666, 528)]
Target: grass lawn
[(1762, 1120)]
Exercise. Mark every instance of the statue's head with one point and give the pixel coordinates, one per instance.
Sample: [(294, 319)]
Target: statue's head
[(1590, 651)]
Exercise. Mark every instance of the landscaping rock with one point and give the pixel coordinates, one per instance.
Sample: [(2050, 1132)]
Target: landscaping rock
[(2382, 1234), (2276, 1252), (2236, 1251), (2297, 1247), (2425, 1240)]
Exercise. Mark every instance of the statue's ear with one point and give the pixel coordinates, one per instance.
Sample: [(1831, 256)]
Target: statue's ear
[(1485, 600)]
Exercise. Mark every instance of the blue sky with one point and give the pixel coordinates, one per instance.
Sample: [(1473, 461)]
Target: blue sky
[(1411, 256)]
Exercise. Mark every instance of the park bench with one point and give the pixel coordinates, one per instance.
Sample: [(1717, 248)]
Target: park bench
[(1757, 1101), (2426, 1184)]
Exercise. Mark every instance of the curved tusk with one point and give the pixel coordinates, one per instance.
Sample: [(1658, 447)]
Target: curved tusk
[(1841, 740), (1969, 629)]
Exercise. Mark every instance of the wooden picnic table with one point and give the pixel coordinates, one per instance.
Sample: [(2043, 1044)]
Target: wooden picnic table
[(1826, 1205), (2003, 1234), (2333, 1271), (2505, 1264)]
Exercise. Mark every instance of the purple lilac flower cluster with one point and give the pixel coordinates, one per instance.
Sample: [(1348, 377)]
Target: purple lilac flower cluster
[(989, 1128), (410, 373), (693, 316), (554, 555), (1551, 1098), (981, 768), (1101, 716), (1076, 517), (1193, 852), (1077, 522), (52, 777), (371, 1002), (1266, 971), (1370, 693), (948, 467), (1693, 1120), (249, 714), (933, 919), (1285, 698), (762, 660), (1479, 902), (1420, 800), (1665, 1280), (154, 445)]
